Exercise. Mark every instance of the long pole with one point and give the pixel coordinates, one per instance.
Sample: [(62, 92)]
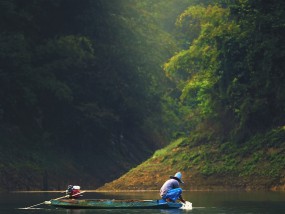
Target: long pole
[(46, 202)]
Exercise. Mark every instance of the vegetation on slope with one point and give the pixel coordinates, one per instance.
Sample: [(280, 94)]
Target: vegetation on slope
[(256, 164), (230, 93), (81, 86), (83, 96)]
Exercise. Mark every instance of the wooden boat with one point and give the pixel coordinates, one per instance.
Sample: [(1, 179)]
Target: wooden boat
[(114, 204)]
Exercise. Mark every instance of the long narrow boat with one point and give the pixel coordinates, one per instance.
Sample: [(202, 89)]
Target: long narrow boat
[(114, 204)]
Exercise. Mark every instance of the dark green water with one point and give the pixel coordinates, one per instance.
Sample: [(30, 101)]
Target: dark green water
[(203, 202)]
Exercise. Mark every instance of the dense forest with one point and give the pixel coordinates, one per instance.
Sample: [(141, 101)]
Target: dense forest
[(230, 93), (81, 89), (90, 89)]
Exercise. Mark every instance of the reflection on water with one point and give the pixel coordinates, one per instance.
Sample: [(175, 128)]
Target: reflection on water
[(203, 202), (125, 211)]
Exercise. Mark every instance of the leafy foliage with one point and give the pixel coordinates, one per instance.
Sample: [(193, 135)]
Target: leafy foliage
[(231, 72), (89, 75), (82, 76)]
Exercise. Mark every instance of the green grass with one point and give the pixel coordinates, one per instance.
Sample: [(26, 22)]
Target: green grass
[(258, 163)]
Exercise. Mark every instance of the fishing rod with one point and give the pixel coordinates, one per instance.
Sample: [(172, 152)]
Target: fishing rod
[(48, 202)]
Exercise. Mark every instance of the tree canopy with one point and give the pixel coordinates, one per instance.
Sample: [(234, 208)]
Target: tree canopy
[(231, 71), (114, 80)]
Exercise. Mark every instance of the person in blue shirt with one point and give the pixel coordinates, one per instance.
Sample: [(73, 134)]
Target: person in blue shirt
[(170, 190)]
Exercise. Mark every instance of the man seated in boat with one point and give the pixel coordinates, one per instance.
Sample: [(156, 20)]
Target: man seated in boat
[(73, 192), (170, 190)]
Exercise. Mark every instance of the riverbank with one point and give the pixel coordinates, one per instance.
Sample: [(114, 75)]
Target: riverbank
[(148, 191), (258, 164)]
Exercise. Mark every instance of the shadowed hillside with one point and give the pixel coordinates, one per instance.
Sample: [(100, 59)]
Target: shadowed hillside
[(91, 89)]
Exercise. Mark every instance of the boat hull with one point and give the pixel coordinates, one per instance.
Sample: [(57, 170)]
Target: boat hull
[(115, 204)]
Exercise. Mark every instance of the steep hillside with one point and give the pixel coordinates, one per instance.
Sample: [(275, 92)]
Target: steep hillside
[(42, 167), (78, 103), (258, 164)]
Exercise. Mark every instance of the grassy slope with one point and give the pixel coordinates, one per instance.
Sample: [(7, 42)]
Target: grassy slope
[(256, 164)]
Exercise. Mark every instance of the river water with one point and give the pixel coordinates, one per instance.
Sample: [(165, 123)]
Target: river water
[(203, 202)]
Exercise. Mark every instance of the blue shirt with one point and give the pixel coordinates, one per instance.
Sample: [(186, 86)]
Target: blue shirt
[(168, 185)]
